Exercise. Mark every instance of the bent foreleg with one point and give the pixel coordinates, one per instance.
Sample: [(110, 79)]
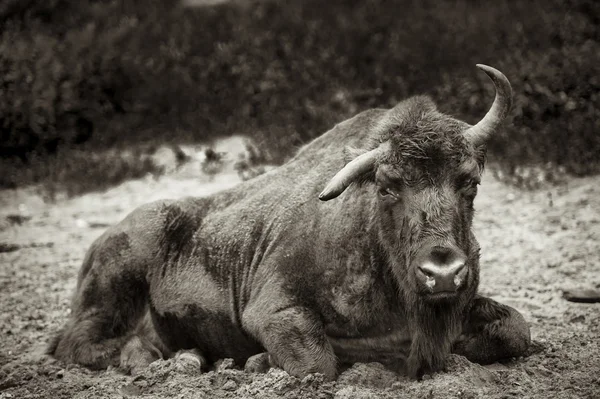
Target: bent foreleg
[(493, 331)]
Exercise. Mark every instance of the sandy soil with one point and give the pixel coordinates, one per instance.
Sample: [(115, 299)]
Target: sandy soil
[(534, 246)]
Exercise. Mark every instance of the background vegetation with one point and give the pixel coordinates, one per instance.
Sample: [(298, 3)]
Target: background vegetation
[(90, 75)]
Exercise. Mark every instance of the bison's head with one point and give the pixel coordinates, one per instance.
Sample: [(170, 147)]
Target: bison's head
[(424, 171)]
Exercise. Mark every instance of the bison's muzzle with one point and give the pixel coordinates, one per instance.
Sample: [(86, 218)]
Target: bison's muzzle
[(441, 271)]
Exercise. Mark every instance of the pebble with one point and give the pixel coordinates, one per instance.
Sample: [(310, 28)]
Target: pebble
[(354, 393), (368, 375), (544, 371), (131, 390), (313, 379), (81, 223), (577, 319), (224, 364), (230, 385)]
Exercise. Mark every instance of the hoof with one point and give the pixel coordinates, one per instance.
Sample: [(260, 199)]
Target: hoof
[(189, 362), (260, 363), (135, 357)]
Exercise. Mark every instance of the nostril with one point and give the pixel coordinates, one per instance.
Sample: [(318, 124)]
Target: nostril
[(459, 274), (428, 278), (459, 267), (427, 272)]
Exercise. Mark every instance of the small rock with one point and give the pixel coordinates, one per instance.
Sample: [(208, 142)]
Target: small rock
[(354, 393), (537, 346), (230, 385), (497, 367), (131, 390), (97, 225), (313, 379), (224, 364), (17, 219), (582, 295), (8, 381), (544, 371), (81, 223), (7, 247), (577, 319), (60, 373), (141, 383), (369, 375), (281, 381), (481, 376), (457, 363)]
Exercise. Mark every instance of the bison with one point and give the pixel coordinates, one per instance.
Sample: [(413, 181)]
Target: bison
[(386, 272)]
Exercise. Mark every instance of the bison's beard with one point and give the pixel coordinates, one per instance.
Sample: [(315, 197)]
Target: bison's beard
[(434, 327), (434, 324)]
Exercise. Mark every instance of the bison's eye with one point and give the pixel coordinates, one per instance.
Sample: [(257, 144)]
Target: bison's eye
[(384, 192), (469, 190), (388, 193), (467, 187), (468, 183), (472, 183)]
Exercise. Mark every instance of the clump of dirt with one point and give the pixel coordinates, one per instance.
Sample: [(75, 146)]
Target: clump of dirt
[(373, 375), (536, 245)]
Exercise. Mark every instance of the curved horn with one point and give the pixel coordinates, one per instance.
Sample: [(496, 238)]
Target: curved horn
[(342, 179), (482, 131)]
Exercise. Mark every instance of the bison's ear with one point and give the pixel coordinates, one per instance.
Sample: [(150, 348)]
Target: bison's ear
[(481, 156), (350, 173)]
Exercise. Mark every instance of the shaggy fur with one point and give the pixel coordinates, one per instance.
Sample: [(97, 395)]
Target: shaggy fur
[(266, 266)]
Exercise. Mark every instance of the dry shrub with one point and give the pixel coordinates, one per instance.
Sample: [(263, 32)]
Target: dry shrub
[(117, 72)]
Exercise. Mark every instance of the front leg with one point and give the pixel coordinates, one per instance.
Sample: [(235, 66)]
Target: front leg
[(493, 331), (295, 339)]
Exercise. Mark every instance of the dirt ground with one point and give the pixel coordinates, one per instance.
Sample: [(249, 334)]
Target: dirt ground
[(535, 245)]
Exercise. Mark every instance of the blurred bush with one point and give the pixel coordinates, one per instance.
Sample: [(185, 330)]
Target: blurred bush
[(105, 73)]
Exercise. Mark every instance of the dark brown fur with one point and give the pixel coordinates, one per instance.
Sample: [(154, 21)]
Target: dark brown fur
[(266, 266)]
